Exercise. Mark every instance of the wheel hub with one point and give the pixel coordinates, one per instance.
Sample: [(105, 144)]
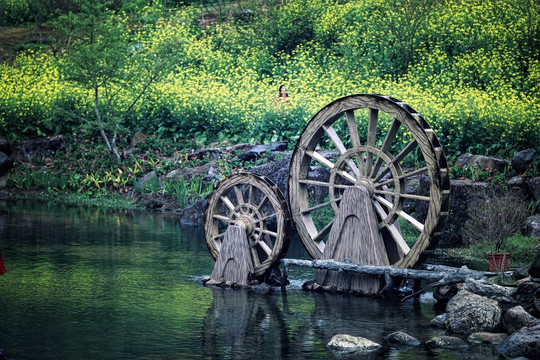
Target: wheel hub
[(246, 222), (366, 184)]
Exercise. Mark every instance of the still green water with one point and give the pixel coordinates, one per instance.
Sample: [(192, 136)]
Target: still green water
[(95, 284)]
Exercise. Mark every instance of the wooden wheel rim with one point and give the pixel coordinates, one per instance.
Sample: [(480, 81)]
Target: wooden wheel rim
[(424, 139), (256, 204)]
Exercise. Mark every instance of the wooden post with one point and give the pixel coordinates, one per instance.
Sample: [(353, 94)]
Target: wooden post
[(234, 263), (354, 236)]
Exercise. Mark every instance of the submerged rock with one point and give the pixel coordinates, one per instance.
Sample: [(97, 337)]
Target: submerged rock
[(486, 338), (401, 338), (446, 342), (344, 343)]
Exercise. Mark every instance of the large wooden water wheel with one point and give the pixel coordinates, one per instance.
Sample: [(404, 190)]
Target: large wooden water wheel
[(254, 203), (383, 145)]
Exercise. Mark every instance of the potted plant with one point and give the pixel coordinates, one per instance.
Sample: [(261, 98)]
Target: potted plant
[(492, 221)]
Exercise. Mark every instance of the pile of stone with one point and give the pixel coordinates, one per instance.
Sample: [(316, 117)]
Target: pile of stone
[(477, 312)]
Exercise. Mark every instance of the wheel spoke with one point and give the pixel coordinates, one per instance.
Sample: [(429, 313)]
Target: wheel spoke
[(398, 238), (322, 205), (394, 232), (321, 159), (355, 139), (335, 139), (255, 256), (227, 202), (251, 194), (265, 247), (410, 146), (222, 218), (404, 176), (262, 203), (325, 231), (347, 176), (267, 232), (404, 195), (418, 225), (322, 183), (371, 136), (390, 136), (270, 216), (239, 195), (218, 236)]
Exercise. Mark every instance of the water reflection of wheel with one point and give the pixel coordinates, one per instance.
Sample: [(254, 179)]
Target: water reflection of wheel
[(242, 324), (256, 204), (380, 143)]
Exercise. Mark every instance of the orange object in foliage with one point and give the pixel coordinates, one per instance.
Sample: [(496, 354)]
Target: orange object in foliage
[(2, 266)]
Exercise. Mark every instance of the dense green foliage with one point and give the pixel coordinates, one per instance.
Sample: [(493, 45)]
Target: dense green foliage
[(472, 69)]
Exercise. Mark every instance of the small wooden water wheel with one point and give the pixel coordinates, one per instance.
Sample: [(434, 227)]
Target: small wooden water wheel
[(380, 144), (255, 204)]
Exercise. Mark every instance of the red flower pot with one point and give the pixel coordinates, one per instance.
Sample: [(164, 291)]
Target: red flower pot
[(498, 261)]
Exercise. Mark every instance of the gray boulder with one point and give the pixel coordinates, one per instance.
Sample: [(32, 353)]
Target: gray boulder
[(5, 163), (401, 338), (492, 291), (528, 296), (534, 188), (259, 150), (439, 321), (146, 178), (521, 161), (446, 342), (483, 162), (516, 318), (467, 313), (486, 338), (518, 185), (343, 343), (5, 147), (193, 215), (534, 270), (40, 148), (277, 171), (524, 342)]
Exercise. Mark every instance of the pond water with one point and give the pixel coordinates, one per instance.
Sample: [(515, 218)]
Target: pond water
[(95, 284)]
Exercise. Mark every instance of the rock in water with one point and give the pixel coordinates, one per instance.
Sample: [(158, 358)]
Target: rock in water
[(439, 321), (446, 342), (401, 338), (467, 313), (516, 318), (486, 338), (349, 344), (523, 342)]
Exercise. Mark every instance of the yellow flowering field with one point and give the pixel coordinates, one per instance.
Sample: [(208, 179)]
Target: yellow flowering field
[(470, 68)]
